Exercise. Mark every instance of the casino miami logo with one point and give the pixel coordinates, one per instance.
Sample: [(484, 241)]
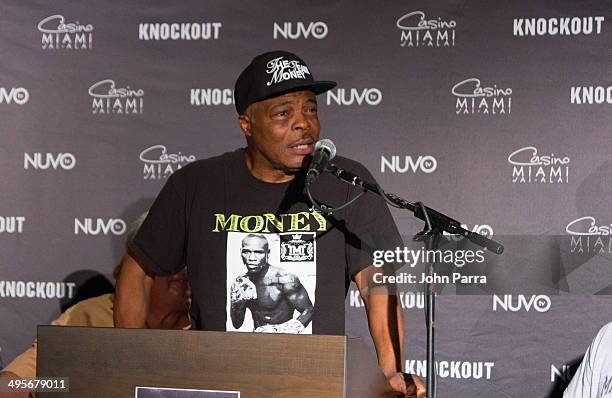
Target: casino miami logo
[(109, 99), (473, 98), (60, 34), (529, 167), (589, 236), (158, 163), (417, 30)]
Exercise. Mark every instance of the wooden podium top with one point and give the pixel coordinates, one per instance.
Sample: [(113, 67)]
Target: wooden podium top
[(109, 362)]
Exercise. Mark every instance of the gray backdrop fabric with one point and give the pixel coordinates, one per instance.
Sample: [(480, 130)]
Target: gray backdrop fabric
[(497, 113)]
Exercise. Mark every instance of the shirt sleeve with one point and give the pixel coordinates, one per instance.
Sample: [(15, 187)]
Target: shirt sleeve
[(370, 228), (159, 246), (582, 384)]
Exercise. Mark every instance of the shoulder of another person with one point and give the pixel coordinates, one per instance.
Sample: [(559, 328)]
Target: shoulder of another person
[(85, 311), (605, 334)]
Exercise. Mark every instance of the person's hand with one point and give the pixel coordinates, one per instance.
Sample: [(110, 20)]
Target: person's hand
[(242, 290), (407, 384), (292, 326)]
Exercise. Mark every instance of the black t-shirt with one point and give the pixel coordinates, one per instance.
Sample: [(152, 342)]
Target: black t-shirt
[(220, 221)]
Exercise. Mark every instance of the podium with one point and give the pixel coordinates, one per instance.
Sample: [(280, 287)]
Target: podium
[(109, 362)]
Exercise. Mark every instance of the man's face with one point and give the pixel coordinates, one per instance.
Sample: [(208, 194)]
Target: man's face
[(254, 253), (284, 131)]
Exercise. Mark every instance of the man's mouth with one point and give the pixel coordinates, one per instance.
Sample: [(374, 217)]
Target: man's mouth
[(302, 147)]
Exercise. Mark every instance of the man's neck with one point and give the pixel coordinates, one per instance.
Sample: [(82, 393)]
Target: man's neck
[(261, 169)]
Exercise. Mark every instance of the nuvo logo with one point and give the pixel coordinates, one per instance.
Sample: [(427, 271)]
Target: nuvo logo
[(211, 96), (590, 95), (59, 34), (481, 229), (473, 98), (159, 163), (512, 303), (300, 30), (564, 373), (107, 99), (530, 167), (566, 26), (588, 236), (354, 96), (18, 95), (99, 226), (419, 31), (44, 161), (403, 164)]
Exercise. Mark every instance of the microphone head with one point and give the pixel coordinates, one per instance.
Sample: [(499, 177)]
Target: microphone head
[(327, 145)]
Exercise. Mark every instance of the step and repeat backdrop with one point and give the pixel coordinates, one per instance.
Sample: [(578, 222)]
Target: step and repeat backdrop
[(496, 113)]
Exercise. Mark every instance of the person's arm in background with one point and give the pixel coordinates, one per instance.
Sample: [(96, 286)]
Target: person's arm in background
[(5, 377), (132, 295), (585, 382), (91, 312)]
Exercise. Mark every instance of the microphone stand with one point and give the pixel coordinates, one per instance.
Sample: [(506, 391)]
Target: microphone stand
[(435, 224)]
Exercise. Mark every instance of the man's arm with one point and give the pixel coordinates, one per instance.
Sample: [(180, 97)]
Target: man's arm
[(385, 320), (298, 297), (237, 312), (132, 295), (386, 323), (242, 292)]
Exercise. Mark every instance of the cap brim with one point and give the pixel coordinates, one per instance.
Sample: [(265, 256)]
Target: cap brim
[(318, 87)]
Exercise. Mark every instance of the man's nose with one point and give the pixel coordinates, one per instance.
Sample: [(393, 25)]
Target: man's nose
[(300, 122)]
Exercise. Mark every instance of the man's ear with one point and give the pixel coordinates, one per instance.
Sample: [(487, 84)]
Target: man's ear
[(245, 124)]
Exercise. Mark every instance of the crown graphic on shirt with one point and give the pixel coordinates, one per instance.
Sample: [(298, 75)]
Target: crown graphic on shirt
[(296, 237)]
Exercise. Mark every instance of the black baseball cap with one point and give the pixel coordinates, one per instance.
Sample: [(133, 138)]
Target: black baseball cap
[(272, 74)]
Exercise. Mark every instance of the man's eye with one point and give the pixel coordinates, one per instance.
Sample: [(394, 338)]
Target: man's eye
[(282, 113)]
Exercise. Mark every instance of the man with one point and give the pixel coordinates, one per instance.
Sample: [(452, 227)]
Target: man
[(593, 379), (207, 206), (168, 309), (271, 293)]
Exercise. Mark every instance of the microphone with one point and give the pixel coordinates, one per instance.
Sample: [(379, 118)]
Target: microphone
[(325, 150)]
